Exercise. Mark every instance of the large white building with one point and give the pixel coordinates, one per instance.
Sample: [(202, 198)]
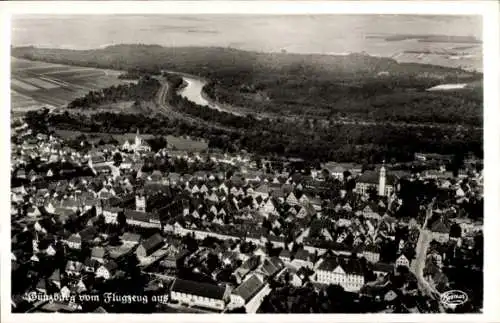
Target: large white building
[(249, 294), (137, 146), (344, 271), (199, 294)]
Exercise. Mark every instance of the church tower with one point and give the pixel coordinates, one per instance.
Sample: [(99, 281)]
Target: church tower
[(138, 141), (381, 182), (140, 202)]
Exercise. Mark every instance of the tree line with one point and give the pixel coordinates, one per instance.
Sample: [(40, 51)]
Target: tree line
[(365, 144), (145, 90)]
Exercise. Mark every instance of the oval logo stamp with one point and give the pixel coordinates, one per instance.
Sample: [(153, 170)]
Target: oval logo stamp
[(454, 298)]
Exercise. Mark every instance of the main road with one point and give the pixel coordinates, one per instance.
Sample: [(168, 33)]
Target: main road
[(418, 264)]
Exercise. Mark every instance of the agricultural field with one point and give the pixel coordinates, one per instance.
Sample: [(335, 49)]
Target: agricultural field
[(35, 84), (22, 103)]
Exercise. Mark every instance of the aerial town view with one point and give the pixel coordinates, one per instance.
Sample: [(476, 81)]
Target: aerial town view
[(246, 164)]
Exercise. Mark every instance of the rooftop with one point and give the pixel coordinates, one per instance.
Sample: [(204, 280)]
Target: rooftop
[(200, 289), (249, 288)]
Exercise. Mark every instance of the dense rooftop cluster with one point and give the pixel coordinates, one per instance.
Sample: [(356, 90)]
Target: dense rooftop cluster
[(212, 232)]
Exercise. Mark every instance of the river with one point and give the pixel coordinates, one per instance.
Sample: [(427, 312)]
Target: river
[(193, 91)]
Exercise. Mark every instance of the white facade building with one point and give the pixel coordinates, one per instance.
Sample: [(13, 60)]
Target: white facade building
[(343, 271)]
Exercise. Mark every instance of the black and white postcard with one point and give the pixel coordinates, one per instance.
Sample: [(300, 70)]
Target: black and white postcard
[(250, 158)]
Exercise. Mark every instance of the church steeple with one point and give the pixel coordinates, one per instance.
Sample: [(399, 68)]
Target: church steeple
[(138, 141), (381, 180)]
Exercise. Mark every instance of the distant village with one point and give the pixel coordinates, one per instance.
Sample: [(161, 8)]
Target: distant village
[(122, 228)]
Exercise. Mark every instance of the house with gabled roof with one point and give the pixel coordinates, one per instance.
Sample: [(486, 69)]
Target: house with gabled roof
[(402, 260), (110, 214), (292, 199), (285, 255), (130, 239), (70, 204), (270, 207), (249, 294), (150, 245), (74, 241), (246, 267), (269, 267), (33, 211), (262, 191), (99, 254), (303, 258), (90, 265), (41, 286), (108, 270), (335, 170), (382, 269), (74, 268), (213, 198), (304, 199), (199, 294), (306, 211), (55, 278), (371, 252), (142, 219), (88, 234), (440, 230)]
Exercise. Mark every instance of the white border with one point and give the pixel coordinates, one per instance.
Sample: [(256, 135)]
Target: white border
[(488, 9)]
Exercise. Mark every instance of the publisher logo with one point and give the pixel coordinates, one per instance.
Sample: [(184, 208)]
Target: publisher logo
[(453, 298)]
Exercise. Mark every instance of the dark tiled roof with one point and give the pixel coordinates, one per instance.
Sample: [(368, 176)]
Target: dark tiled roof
[(371, 248), (90, 262), (383, 267), (140, 216), (440, 227), (98, 252), (75, 238), (127, 236), (251, 263), (285, 253), (349, 265), (372, 177), (111, 266), (56, 276), (302, 254), (272, 265), (249, 288), (200, 289), (262, 189), (152, 243), (73, 266), (41, 284), (88, 233)]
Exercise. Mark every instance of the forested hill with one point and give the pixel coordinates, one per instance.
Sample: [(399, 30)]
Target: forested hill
[(357, 87), (211, 61)]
